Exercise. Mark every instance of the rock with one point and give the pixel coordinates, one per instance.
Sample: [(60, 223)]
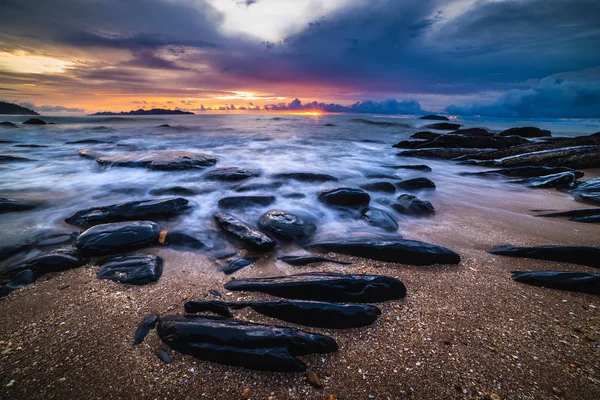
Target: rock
[(34, 121), (325, 287), (572, 157), (89, 154), (560, 180), (305, 177), (472, 132), (593, 219), (314, 313), (330, 125), (414, 144), (305, 260), (144, 328), (230, 174), (462, 141), (435, 117), (8, 124), (590, 198), (163, 356), (402, 251), (89, 141), (184, 240), (345, 197), (580, 213), (118, 236), (445, 154), (286, 225), (571, 281), (412, 205), (54, 261), (293, 195), (166, 160), (9, 158), (385, 124), (580, 255), (426, 135), (30, 146), (264, 185), (10, 205), (423, 168), (384, 187), (443, 126), (217, 307), (313, 379), (416, 184), (130, 211), (41, 240), (239, 343), (379, 218), (246, 201), (136, 269), (587, 191), (21, 279), (527, 171), (173, 191), (528, 132), (238, 264), (247, 235)]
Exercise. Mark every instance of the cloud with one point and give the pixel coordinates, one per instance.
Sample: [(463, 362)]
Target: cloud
[(58, 109), (387, 107), (575, 95)]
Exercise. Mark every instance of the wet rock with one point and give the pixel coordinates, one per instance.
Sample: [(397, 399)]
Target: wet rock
[(135, 269), (528, 132), (560, 180), (443, 126), (164, 126), (173, 191), (472, 132), (10, 205), (572, 157), (118, 236), (234, 342), (462, 141), (325, 287), (435, 117), (424, 168), (379, 218), (34, 121), (592, 219), (130, 211), (445, 154), (426, 135), (402, 251), (216, 307), (184, 240), (582, 212), (528, 171), (9, 158), (286, 225), (167, 160), (416, 184), (587, 191), (314, 313), (21, 279), (89, 141), (54, 261), (246, 201), (8, 124), (30, 146), (582, 282), (293, 195), (345, 197), (413, 206), (231, 174), (246, 234), (385, 124), (306, 177), (305, 260), (163, 356), (384, 187), (264, 185), (238, 264), (413, 144), (144, 328), (89, 154), (39, 241), (581, 255)]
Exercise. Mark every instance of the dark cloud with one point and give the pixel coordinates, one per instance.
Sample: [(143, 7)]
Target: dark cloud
[(387, 107)]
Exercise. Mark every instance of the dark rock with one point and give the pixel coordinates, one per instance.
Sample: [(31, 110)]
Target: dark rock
[(414, 144), (286, 225), (385, 124), (215, 293), (402, 251), (572, 157), (246, 201), (472, 132), (167, 160), (345, 197), (315, 313), (163, 356), (330, 125), (528, 171), (384, 176), (582, 212), (173, 191), (216, 307), (462, 141), (426, 135), (89, 154), (443, 126), (592, 219), (562, 280), (21, 279), (8, 124), (560, 180), (587, 191), (118, 236), (385, 187), (39, 241), (234, 342), (528, 132), (416, 184), (305, 260), (130, 211), (54, 261), (230, 174), (136, 269), (246, 234), (293, 195), (184, 240), (325, 287), (34, 121), (30, 146), (435, 117), (423, 168), (306, 177), (379, 218), (89, 141), (164, 126), (144, 328), (412, 205), (445, 154), (581, 255), (10, 205), (590, 198), (265, 185), (238, 264), (9, 158)]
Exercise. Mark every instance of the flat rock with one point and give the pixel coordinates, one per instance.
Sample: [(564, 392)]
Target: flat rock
[(173, 191), (167, 160), (443, 126), (559, 180), (54, 261), (129, 211), (118, 236), (384, 187), (10, 205), (435, 117), (135, 269), (345, 197), (264, 185), (305, 260), (582, 282), (416, 184), (528, 132), (379, 218), (238, 264), (421, 167), (572, 157), (425, 135), (528, 171), (231, 174), (590, 198), (581, 255), (442, 153), (243, 232), (286, 225), (144, 328), (306, 177), (472, 132), (411, 205), (21, 279), (10, 158), (246, 201), (40, 240), (592, 219), (89, 141)]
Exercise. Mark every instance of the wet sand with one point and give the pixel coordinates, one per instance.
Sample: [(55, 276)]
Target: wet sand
[(465, 331)]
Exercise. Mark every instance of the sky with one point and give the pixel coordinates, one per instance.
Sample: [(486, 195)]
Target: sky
[(501, 58)]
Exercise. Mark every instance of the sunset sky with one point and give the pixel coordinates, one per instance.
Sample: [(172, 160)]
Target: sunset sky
[(521, 58)]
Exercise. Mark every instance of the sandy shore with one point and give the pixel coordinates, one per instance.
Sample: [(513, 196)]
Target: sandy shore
[(463, 331)]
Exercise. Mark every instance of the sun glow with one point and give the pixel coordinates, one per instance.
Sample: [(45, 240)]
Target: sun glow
[(309, 113), (30, 63)]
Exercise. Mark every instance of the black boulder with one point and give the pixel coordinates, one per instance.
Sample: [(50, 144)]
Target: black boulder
[(135, 269)]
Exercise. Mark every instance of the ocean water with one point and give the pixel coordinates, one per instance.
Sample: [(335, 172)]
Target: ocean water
[(350, 150)]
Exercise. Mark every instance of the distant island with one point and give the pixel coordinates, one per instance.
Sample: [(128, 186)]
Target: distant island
[(154, 111), (13, 109), (435, 117)]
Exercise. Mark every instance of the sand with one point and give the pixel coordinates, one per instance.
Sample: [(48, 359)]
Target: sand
[(465, 331)]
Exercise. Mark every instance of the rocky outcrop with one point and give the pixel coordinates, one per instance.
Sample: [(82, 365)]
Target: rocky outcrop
[(379, 218), (383, 187), (286, 225), (444, 154), (21, 279), (435, 117), (135, 269), (528, 132), (345, 197), (416, 184), (118, 236), (559, 180), (572, 157), (527, 171), (411, 205), (167, 160), (244, 233), (231, 174), (34, 121), (54, 261), (443, 126)]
